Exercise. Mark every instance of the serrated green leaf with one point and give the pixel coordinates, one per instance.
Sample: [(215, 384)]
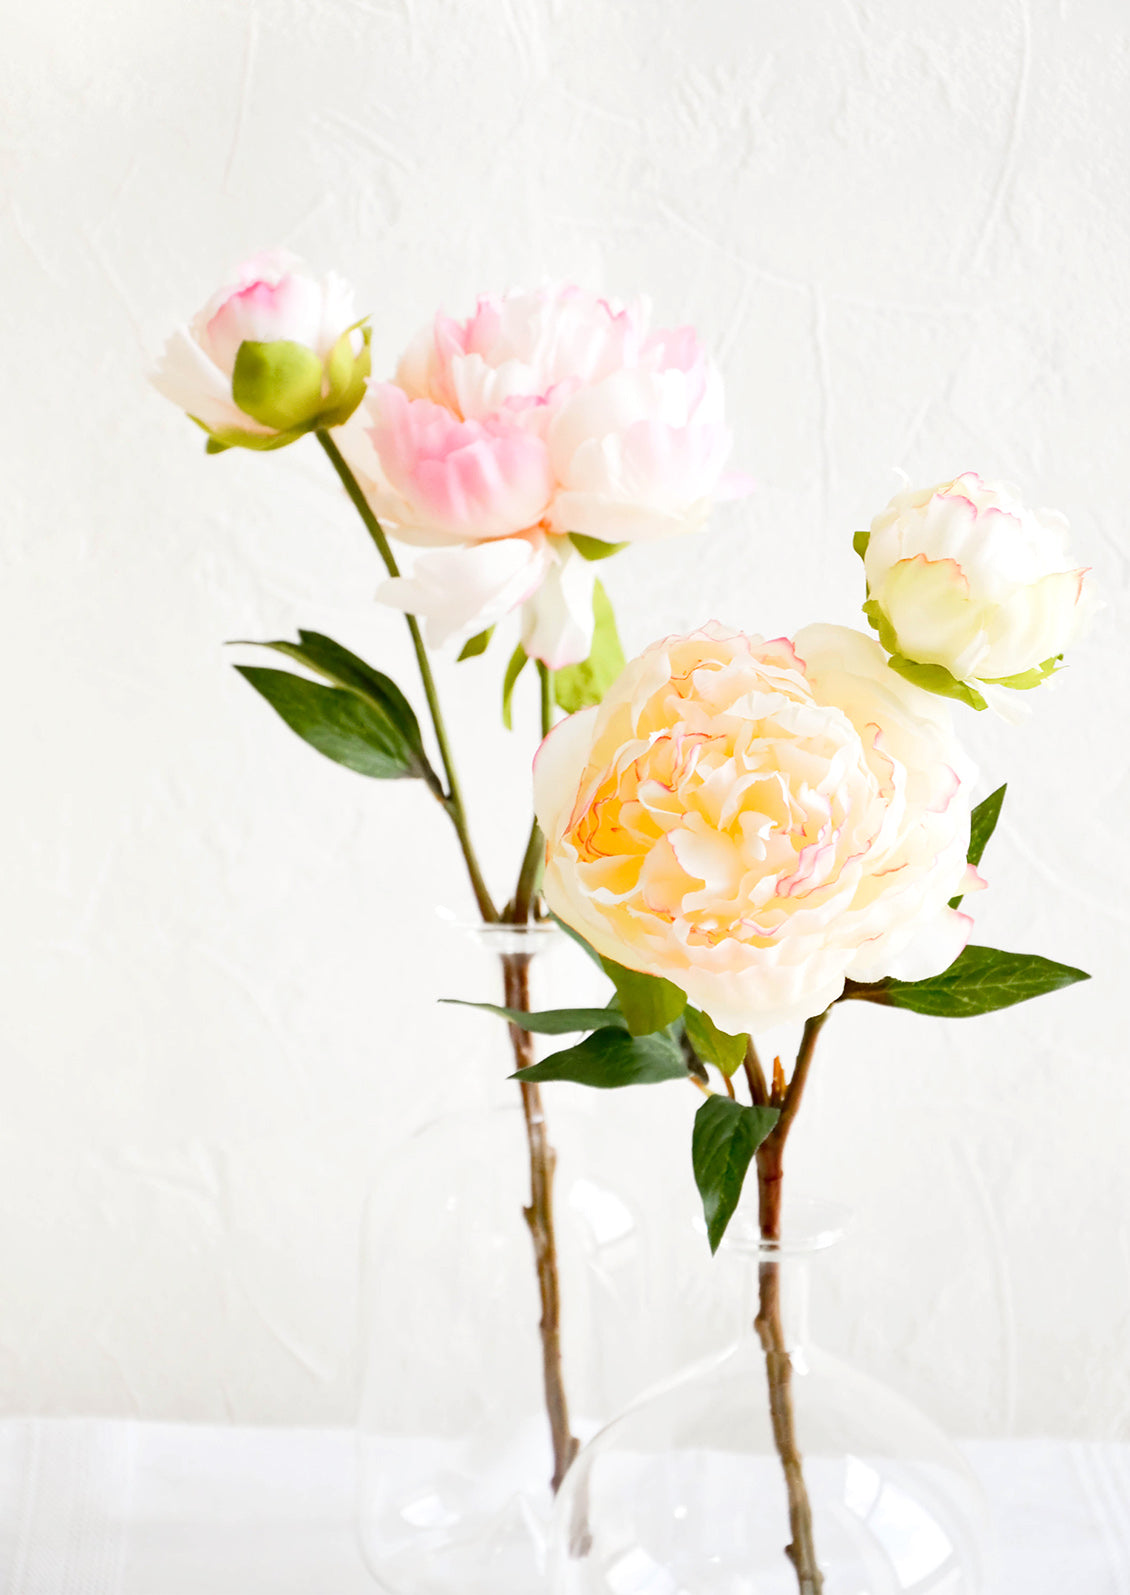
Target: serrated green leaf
[(726, 1136), (592, 548), (551, 1021), (476, 645), (519, 659), (982, 824), (648, 1003), (278, 384), (980, 980), (611, 1058), (579, 686), (337, 723), (575, 936), (859, 542), (714, 1045)]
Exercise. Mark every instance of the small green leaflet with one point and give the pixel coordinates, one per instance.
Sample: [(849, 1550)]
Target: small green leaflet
[(476, 645), (859, 541), (714, 1045), (982, 824), (611, 1058), (579, 686), (980, 980), (519, 659), (551, 1021), (592, 548), (647, 1002), (726, 1136)]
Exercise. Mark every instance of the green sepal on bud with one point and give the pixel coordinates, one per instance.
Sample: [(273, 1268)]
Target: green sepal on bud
[(287, 387)]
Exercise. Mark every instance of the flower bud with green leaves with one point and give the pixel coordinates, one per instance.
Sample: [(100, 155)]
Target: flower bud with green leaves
[(972, 592), (271, 356)]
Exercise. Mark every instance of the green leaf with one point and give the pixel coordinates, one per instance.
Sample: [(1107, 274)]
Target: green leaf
[(980, 980), (610, 1058), (339, 724), (982, 824), (579, 686), (859, 542), (346, 375), (592, 548), (477, 645), (726, 1136), (1026, 678), (519, 659), (551, 1021), (278, 384), (575, 935), (936, 678), (647, 1002), (714, 1045), (341, 668)]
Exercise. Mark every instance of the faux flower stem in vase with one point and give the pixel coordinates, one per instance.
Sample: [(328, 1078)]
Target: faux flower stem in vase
[(740, 831)]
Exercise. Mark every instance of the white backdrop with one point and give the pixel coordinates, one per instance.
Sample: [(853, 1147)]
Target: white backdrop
[(903, 229)]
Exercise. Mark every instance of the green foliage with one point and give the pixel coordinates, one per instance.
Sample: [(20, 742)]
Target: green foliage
[(859, 542), (714, 1045), (477, 645), (983, 822), (610, 1058), (361, 720), (580, 686), (647, 1002), (726, 1136), (551, 1021), (592, 548), (342, 726), (519, 659), (980, 980), (1027, 679)]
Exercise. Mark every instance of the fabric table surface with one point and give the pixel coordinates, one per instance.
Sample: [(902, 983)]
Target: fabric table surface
[(106, 1507)]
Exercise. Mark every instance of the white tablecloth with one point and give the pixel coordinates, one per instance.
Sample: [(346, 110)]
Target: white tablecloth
[(91, 1507)]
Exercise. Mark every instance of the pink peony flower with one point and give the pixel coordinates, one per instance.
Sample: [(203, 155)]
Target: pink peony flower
[(304, 360), (548, 413)]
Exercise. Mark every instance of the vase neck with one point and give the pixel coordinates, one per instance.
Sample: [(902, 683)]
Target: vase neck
[(775, 1270)]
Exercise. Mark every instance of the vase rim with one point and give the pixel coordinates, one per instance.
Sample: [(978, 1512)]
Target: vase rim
[(501, 937), (808, 1224)]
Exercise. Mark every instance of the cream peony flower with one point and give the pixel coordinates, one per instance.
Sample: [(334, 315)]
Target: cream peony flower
[(970, 591), (270, 356), (758, 821)]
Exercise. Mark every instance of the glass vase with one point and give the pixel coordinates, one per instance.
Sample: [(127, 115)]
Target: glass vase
[(772, 1468), (456, 1446)]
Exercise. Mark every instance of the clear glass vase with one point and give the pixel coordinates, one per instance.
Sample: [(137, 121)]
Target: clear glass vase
[(456, 1451), (772, 1468)]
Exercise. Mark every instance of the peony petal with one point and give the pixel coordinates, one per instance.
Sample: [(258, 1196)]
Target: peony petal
[(459, 592), (557, 623)]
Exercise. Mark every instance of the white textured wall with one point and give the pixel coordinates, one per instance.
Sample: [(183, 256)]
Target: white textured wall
[(903, 228)]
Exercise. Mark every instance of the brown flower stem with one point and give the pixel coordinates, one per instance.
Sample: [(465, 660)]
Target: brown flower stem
[(801, 1550), (539, 1217)]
